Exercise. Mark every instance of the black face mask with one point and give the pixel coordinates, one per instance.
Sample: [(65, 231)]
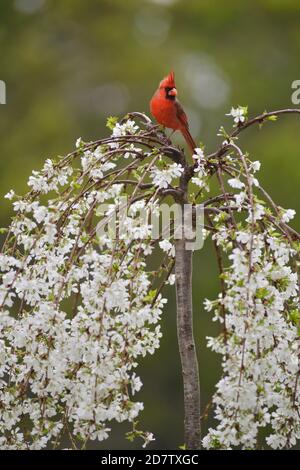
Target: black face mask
[(169, 97)]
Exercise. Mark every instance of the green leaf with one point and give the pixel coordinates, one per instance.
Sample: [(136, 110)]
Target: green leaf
[(272, 118), (75, 185), (294, 316), (136, 174), (115, 267), (150, 296), (261, 293), (130, 436), (111, 122), (245, 109)]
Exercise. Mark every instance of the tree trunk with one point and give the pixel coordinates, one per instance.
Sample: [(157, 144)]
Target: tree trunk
[(189, 362)]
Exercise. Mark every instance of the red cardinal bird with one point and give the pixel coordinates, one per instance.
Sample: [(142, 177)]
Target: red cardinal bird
[(168, 111)]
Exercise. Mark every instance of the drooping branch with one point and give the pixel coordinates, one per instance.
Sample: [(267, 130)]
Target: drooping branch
[(260, 119), (55, 255)]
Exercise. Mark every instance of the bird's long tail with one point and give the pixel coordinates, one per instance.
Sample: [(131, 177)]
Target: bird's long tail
[(189, 139)]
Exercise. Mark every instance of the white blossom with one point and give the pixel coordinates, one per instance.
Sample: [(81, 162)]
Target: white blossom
[(288, 215), (167, 247), (236, 183), (239, 114), (86, 309), (78, 308), (78, 143), (148, 438), (129, 127), (198, 154), (171, 280), (10, 195), (256, 166), (259, 343), (163, 178)]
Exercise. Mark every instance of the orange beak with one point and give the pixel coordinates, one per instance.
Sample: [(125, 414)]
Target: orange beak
[(173, 92)]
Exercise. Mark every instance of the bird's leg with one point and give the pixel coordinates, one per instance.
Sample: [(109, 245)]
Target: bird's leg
[(162, 129), (154, 127), (174, 130), (169, 137)]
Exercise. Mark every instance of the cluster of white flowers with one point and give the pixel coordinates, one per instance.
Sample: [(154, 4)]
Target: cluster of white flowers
[(239, 114), (49, 179), (77, 308), (259, 313), (95, 164), (129, 127), (162, 178), (201, 174)]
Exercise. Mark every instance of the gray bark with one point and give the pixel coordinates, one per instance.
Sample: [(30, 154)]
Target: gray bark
[(187, 349)]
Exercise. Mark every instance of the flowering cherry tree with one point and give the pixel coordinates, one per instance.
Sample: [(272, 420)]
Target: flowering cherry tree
[(80, 304)]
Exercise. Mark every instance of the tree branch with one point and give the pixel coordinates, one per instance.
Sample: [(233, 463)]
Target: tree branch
[(186, 342), (187, 348)]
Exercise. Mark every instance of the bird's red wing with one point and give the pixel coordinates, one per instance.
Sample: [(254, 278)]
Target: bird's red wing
[(182, 117)]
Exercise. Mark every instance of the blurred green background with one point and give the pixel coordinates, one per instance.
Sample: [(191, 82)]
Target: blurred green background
[(69, 64)]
